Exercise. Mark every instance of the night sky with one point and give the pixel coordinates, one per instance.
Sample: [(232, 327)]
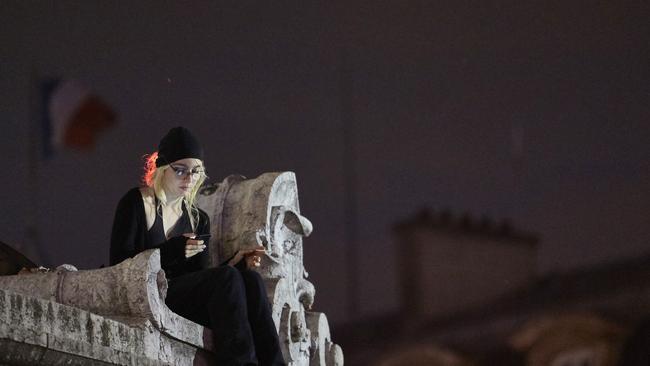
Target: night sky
[(533, 111)]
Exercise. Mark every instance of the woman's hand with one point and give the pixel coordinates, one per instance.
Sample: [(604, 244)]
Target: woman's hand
[(192, 246), (253, 257)]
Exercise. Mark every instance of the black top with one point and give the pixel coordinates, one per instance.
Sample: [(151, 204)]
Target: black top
[(156, 232), (130, 237)]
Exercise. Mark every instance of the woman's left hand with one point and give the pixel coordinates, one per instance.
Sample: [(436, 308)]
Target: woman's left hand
[(253, 257)]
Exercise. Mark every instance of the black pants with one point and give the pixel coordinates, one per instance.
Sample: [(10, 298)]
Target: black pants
[(235, 306)]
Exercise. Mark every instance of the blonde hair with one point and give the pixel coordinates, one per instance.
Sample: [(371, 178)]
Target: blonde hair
[(153, 178)]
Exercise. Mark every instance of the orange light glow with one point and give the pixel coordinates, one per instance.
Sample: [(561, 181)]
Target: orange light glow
[(149, 168)]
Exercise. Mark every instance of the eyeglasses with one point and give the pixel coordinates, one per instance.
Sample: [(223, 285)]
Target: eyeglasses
[(182, 172)]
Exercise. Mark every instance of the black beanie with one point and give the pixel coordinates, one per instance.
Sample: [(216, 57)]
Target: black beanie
[(178, 143)]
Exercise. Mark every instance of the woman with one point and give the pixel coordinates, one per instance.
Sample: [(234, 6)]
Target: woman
[(162, 214)]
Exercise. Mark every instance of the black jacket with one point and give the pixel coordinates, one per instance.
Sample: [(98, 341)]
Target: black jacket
[(129, 237)]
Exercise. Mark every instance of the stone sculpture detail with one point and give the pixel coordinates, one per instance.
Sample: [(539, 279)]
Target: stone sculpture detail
[(265, 211)]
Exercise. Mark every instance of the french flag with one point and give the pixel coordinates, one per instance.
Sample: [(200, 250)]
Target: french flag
[(73, 116)]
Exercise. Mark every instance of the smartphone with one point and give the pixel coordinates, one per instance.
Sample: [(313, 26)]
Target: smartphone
[(204, 237)]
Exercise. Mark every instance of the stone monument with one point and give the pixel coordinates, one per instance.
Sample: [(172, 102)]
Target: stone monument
[(265, 211), (117, 315)]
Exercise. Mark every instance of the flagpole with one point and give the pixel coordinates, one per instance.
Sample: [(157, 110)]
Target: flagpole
[(31, 247)]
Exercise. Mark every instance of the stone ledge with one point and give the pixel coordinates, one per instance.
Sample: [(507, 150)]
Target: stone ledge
[(49, 333)]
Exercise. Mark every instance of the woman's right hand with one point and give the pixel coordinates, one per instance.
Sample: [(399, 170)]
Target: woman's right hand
[(253, 257), (192, 246)]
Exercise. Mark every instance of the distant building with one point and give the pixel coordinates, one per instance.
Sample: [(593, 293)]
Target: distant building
[(448, 265), (470, 292)]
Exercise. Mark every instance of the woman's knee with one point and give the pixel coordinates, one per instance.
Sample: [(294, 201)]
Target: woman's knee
[(226, 275), (225, 271), (250, 275), (253, 281)]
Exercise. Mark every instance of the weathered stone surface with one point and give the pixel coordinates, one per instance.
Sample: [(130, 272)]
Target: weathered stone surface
[(36, 331), (323, 351), (246, 213), (134, 288)]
